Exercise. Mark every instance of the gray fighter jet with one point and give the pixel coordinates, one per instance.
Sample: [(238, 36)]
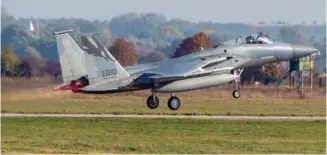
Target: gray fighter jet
[(95, 70)]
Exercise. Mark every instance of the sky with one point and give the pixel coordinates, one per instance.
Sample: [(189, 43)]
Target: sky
[(244, 11)]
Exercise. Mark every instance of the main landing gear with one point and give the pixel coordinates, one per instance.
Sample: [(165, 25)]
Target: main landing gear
[(173, 102), (153, 101), (236, 92)]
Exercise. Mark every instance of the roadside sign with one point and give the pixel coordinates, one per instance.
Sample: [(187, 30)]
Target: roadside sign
[(305, 63)]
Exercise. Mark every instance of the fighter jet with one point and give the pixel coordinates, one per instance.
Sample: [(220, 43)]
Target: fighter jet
[(92, 69)]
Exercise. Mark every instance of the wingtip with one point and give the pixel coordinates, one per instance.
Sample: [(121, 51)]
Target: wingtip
[(62, 32)]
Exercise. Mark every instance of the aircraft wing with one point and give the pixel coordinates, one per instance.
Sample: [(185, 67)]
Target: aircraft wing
[(172, 70)]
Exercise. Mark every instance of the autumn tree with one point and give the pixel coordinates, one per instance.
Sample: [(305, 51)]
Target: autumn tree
[(267, 73), (9, 62), (272, 72), (193, 44), (251, 74), (124, 52)]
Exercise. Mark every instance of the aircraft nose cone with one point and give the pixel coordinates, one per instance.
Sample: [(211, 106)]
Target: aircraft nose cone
[(301, 50)]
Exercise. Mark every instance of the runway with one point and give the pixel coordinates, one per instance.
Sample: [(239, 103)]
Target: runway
[(266, 118)]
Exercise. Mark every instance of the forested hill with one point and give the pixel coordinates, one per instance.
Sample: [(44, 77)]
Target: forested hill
[(147, 33)]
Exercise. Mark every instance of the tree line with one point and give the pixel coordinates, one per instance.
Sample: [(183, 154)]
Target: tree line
[(147, 31)]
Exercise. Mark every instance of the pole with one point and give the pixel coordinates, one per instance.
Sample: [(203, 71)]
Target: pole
[(311, 75), (290, 79), (302, 91), (290, 71), (299, 79)]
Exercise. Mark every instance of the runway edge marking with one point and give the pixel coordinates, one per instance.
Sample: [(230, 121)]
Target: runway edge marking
[(310, 118)]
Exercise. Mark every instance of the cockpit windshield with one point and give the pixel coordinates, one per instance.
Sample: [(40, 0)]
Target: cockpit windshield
[(258, 38)]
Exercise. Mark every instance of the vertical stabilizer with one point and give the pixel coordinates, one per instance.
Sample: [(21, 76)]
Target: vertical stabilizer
[(71, 57), (100, 64)]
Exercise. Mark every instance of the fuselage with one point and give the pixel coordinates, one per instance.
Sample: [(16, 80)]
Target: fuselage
[(247, 55), (243, 56)]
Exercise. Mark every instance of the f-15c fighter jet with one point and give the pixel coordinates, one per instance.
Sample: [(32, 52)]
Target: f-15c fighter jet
[(92, 69)]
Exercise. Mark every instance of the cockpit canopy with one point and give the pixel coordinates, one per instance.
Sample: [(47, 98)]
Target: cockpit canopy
[(259, 38)]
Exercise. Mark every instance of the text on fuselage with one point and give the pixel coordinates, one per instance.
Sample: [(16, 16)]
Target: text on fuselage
[(108, 72)]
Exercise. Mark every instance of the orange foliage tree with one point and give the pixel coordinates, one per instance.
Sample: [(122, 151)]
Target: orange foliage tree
[(124, 52), (193, 44)]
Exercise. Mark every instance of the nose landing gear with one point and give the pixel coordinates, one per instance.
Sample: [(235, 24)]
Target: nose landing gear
[(236, 92)]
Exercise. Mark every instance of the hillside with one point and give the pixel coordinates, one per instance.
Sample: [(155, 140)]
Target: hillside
[(148, 32)]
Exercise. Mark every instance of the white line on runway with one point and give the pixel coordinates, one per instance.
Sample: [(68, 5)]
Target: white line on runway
[(308, 118)]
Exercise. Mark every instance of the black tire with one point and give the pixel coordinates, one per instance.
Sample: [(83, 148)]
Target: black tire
[(150, 102), (236, 94), (174, 103)]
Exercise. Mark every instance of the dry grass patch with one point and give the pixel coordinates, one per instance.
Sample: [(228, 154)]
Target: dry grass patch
[(213, 101)]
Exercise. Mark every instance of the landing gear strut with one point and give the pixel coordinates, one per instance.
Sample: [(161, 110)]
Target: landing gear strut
[(174, 103), (236, 92), (153, 101)]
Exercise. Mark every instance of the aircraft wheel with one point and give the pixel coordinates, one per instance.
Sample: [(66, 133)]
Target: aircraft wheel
[(152, 102), (174, 103), (236, 94)]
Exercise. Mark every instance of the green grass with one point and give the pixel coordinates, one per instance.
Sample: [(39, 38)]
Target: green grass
[(71, 135), (199, 104)]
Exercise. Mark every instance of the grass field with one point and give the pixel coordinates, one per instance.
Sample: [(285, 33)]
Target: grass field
[(22, 96), (68, 135), (207, 104)]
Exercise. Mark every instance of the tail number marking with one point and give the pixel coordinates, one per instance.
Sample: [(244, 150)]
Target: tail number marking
[(108, 72)]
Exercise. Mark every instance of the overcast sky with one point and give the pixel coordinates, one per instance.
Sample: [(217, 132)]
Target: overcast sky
[(246, 11)]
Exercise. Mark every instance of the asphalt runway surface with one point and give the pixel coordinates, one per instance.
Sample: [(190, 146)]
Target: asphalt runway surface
[(267, 118)]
